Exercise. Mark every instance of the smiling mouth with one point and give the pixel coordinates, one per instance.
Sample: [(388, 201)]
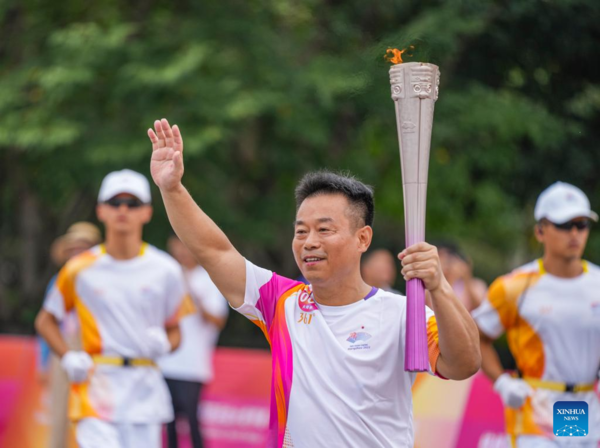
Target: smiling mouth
[(312, 259)]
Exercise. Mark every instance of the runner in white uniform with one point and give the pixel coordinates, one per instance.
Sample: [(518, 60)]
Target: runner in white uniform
[(550, 310), (128, 296), (338, 346), (189, 368)]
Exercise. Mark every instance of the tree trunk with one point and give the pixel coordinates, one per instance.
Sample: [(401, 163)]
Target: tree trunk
[(30, 232)]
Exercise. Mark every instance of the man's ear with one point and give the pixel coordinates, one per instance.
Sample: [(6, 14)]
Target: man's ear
[(365, 236), (148, 214), (538, 231), (100, 212)]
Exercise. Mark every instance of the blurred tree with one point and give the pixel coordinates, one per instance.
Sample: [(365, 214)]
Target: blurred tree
[(265, 91)]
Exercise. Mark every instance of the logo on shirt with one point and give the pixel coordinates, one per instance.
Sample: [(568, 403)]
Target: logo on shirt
[(546, 310), (596, 308), (358, 340), (570, 419), (306, 301)]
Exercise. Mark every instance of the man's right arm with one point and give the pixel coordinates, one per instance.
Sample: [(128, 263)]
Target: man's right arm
[(48, 328), (208, 243), (490, 361), (493, 316)]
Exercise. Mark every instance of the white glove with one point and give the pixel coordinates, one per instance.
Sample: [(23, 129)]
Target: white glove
[(77, 365), (513, 391), (158, 342)]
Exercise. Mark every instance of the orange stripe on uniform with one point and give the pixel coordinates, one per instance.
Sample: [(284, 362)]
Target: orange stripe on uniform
[(433, 342), (79, 403), (521, 421), (260, 324), (65, 282), (527, 348), (91, 341), (524, 343)]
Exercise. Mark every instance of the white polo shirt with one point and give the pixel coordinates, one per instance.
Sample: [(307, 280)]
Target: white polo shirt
[(338, 372), (116, 301)]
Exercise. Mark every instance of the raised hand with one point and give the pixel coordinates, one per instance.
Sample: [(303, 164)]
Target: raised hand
[(166, 165)]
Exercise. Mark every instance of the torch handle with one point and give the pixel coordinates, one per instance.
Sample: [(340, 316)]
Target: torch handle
[(416, 355), (416, 359)]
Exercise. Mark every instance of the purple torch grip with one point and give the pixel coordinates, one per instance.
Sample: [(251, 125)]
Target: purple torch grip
[(414, 91), (416, 353)]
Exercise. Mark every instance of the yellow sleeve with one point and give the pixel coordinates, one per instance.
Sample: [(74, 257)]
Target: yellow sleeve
[(505, 306), (186, 308), (499, 310), (433, 346)]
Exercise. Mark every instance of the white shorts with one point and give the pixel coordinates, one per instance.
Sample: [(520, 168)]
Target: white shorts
[(543, 442), (95, 433)]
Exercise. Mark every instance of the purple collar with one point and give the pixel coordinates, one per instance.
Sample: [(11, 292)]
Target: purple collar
[(371, 293)]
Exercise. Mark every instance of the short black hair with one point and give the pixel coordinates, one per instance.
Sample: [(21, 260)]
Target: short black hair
[(358, 194)]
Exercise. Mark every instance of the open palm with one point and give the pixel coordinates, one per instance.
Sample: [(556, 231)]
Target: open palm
[(166, 165)]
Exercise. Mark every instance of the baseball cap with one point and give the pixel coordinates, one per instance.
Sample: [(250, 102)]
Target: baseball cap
[(125, 181), (561, 202)]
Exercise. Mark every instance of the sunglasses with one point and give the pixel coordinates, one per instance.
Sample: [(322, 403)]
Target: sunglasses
[(128, 202), (579, 225)]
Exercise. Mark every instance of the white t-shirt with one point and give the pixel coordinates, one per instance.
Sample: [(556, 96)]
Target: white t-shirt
[(338, 372), (192, 361), (553, 330), (116, 301)]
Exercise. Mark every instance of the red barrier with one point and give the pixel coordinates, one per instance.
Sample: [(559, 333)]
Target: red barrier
[(235, 406)]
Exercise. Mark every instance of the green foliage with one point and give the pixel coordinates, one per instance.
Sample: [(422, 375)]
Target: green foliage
[(264, 91)]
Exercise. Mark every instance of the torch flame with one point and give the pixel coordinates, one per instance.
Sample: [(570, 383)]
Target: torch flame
[(394, 55)]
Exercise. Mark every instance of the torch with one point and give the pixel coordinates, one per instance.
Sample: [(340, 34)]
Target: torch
[(415, 87)]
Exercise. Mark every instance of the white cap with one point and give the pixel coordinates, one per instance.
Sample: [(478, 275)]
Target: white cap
[(561, 202), (125, 181)]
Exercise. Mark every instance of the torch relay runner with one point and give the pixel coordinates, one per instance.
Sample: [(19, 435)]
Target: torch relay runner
[(550, 310), (338, 343), (128, 297)]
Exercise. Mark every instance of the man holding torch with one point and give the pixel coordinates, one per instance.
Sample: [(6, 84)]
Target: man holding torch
[(337, 344), (550, 311)]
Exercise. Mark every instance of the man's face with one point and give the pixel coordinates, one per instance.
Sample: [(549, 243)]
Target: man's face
[(568, 244), (124, 213), (328, 240)]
